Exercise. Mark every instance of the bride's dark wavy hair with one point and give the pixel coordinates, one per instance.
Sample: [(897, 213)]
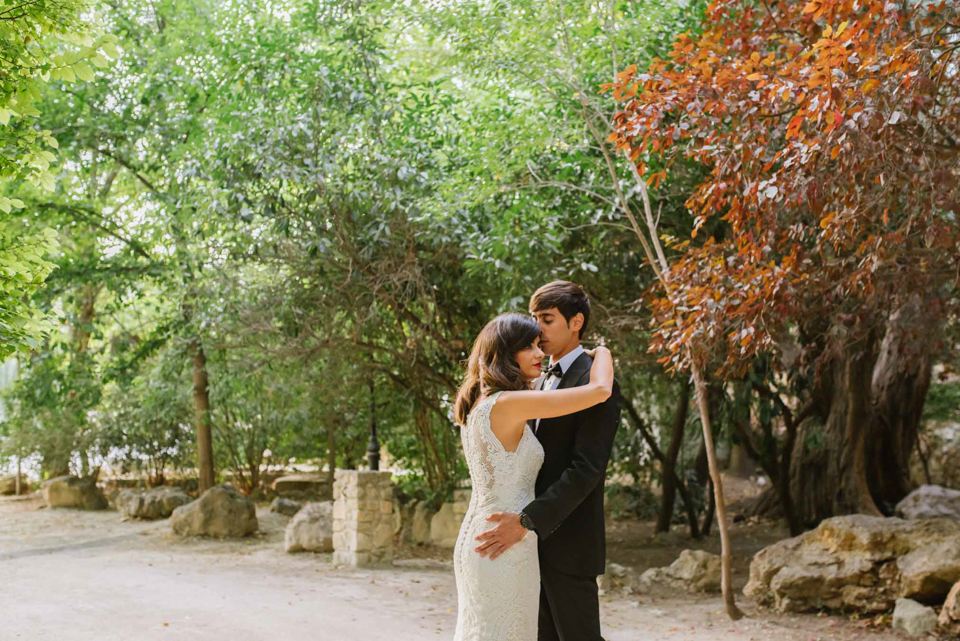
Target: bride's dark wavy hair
[(491, 366)]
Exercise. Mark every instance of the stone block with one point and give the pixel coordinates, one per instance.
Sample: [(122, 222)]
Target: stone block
[(72, 491), (445, 527), (311, 529), (913, 618), (420, 529), (220, 512)]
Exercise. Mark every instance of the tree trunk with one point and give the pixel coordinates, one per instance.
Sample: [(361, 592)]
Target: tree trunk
[(660, 456), (331, 449), (852, 456), (254, 468), (436, 471), (201, 401), (830, 477), (701, 468), (710, 511), (726, 554), (775, 459), (899, 389), (669, 463), (85, 316)]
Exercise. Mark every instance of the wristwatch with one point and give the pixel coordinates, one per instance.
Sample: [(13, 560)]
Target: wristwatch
[(527, 522)]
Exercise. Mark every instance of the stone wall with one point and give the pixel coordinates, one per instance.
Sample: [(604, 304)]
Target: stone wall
[(363, 520)]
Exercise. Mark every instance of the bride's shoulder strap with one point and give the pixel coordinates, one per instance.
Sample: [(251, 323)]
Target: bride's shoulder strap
[(487, 404)]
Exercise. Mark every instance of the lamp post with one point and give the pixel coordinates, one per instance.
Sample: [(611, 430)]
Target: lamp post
[(373, 447)]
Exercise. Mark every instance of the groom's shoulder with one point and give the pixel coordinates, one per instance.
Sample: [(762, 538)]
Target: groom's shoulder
[(583, 364)]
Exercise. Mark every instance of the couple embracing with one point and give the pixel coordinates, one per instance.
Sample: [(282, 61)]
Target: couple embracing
[(537, 443)]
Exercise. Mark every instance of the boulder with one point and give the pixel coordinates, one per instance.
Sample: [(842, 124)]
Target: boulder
[(461, 503), (697, 571), (445, 526), (858, 562), (928, 573), (930, 502), (913, 618), (950, 613), (303, 485), (694, 570), (157, 503), (311, 529), (615, 577), (420, 529), (287, 507), (71, 491), (8, 484), (604, 584), (221, 511)]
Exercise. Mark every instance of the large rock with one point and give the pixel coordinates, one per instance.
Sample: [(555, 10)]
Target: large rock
[(445, 526), (461, 503), (287, 507), (930, 502), (617, 577), (71, 491), (303, 485), (311, 530), (858, 562), (422, 515), (158, 503), (913, 618), (950, 613), (694, 570), (221, 512), (697, 570), (8, 484)]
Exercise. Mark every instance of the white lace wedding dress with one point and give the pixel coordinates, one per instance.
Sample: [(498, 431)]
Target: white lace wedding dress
[(498, 600)]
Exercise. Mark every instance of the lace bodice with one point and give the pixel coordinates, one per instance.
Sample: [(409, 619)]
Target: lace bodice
[(502, 481), (498, 600)]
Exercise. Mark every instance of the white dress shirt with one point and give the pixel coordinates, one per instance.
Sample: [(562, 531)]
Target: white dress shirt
[(552, 381)]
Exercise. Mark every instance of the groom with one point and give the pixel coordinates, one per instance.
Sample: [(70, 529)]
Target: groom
[(567, 514)]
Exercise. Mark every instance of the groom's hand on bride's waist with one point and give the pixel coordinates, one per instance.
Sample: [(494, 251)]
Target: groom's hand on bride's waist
[(508, 533)]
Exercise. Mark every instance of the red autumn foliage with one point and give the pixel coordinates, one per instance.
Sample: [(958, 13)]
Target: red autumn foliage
[(831, 131)]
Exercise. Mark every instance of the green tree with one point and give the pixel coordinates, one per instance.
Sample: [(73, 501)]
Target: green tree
[(41, 42)]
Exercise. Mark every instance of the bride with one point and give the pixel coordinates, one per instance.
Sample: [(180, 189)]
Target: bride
[(499, 597)]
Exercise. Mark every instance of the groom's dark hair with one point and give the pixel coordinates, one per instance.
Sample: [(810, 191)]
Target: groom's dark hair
[(568, 297)]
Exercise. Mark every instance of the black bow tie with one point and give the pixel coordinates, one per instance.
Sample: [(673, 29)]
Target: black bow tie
[(554, 370)]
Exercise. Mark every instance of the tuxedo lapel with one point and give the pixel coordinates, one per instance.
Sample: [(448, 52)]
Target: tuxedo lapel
[(575, 371)]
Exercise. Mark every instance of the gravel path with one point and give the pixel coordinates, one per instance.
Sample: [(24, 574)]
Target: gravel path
[(87, 576)]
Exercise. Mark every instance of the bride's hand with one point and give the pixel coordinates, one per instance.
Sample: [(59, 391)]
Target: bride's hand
[(601, 373), (592, 353)]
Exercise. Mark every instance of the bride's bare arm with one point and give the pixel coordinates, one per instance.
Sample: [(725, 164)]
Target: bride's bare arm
[(520, 406)]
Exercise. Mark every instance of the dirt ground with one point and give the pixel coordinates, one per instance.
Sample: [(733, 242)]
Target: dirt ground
[(82, 576)]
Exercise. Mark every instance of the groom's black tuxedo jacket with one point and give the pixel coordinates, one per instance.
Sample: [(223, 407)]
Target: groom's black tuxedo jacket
[(568, 510)]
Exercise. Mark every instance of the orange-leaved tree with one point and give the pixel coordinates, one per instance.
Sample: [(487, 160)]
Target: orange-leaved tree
[(831, 132)]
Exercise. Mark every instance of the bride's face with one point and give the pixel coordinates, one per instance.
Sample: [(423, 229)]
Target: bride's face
[(530, 361)]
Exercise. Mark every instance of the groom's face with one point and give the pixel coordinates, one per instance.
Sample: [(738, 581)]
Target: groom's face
[(556, 334)]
